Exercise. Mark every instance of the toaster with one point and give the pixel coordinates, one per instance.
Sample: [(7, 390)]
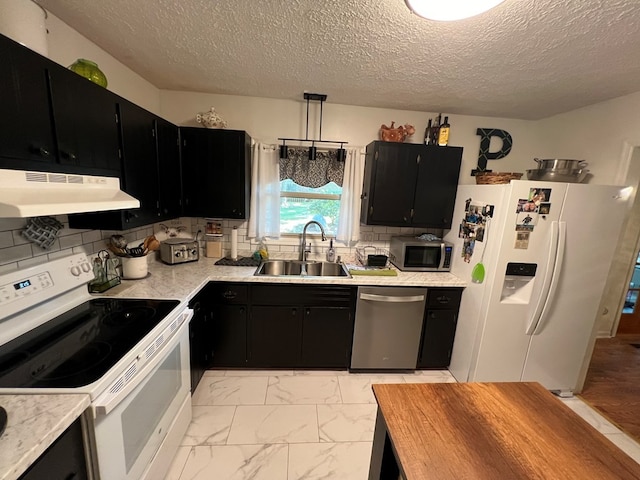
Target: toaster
[(179, 250)]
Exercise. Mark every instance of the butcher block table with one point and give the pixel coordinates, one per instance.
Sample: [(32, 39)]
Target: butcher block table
[(492, 431)]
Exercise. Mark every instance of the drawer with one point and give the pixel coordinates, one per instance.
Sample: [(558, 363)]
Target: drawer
[(444, 297), (227, 293)]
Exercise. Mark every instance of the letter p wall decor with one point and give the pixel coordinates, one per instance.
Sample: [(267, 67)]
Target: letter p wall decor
[(485, 141)]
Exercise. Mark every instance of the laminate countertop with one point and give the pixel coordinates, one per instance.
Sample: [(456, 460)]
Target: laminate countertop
[(487, 431), (34, 422), (184, 280)]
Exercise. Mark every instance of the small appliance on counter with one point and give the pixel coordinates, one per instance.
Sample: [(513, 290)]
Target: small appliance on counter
[(412, 254), (179, 250)]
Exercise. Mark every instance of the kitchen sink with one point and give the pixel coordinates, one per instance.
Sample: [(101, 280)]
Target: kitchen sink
[(278, 268)]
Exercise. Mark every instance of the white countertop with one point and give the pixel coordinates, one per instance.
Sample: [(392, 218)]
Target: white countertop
[(33, 424), (183, 281)]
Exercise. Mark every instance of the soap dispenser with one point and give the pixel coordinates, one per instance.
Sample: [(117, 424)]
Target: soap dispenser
[(331, 252)]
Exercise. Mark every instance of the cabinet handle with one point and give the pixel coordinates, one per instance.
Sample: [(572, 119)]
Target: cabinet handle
[(241, 309), (229, 294), (294, 311), (43, 152), (196, 307), (308, 312), (68, 155), (418, 159), (443, 299)]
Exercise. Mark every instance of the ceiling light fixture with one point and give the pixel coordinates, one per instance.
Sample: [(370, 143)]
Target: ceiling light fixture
[(448, 10), (341, 153)]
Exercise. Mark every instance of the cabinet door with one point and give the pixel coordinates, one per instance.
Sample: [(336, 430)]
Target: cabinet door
[(394, 169), (86, 123), (275, 336), (26, 136), (229, 335), (216, 172), (438, 171), (170, 183), (437, 338), (140, 166), (327, 335), (65, 459)]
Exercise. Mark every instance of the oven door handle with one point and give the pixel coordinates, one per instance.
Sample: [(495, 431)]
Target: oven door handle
[(140, 368)]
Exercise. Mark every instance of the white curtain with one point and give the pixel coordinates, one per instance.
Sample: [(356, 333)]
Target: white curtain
[(349, 219), (264, 216)]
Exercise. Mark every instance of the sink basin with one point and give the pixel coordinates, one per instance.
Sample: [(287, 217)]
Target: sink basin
[(278, 268)]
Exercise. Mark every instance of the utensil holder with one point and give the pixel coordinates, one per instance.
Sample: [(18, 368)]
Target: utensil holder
[(134, 268)]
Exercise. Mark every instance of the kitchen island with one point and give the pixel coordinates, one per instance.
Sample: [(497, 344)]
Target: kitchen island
[(487, 431)]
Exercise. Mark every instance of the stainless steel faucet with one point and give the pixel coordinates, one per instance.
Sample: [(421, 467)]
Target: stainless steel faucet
[(304, 248)]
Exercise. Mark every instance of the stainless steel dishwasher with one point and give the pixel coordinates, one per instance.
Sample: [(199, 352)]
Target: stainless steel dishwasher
[(388, 325)]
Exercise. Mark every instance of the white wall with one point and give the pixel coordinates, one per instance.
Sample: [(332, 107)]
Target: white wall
[(66, 45), (267, 119)]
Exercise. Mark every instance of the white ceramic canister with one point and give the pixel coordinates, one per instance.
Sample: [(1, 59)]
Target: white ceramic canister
[(24, 22), (134, 267)]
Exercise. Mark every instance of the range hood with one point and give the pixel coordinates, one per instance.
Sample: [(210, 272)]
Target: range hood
[(35, 194)]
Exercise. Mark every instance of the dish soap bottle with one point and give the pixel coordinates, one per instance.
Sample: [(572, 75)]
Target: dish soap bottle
[(331, 253), (262, 252)]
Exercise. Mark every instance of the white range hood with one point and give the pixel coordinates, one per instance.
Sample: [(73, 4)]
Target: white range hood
[(35, 194)]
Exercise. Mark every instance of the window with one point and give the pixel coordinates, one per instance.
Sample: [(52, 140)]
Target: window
[(299, 205)]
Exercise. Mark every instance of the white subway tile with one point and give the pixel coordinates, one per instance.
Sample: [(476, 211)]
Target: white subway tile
[(6, 239)]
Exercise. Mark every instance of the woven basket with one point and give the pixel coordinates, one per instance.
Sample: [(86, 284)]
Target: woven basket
[(496, 178)]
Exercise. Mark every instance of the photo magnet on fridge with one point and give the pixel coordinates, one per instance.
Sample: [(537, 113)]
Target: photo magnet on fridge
[(544, 208)]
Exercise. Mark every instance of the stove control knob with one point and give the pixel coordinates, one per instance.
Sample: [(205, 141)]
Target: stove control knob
[(75, 271), (85, 267), (193, 252), (178, 254)]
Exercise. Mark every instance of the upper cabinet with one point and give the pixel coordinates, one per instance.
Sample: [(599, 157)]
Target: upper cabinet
[(216, 170), (150, 172), (410, 185), (57, 121)]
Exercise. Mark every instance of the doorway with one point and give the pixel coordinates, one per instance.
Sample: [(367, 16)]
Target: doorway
[(630, 317)]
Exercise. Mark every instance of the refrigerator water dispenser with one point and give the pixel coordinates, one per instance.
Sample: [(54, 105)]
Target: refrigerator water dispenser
[(518, 283)]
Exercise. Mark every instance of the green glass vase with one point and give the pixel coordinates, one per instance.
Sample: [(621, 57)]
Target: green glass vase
[(89, 70)]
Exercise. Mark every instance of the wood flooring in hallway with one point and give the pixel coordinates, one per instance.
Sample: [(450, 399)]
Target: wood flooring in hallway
[(612, 385)]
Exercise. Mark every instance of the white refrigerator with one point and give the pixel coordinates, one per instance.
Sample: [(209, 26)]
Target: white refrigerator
[(549, 247)]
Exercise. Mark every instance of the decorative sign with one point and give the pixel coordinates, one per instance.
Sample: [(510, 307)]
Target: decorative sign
[(485, 141)]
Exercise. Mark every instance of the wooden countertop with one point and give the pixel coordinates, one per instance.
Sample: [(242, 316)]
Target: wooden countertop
[(494, 431)]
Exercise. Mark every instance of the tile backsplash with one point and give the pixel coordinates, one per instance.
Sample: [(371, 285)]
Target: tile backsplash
[(16, 252)]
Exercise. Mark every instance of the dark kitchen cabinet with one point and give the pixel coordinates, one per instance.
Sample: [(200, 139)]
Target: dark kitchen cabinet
[(65, 459), (216, 170), (410, 184), (327, 336), (57, 121), (27, 137), (85, 119), (301, 326), (150, 172), (275, 336), (200, 334), (439, 328), (228, 333)]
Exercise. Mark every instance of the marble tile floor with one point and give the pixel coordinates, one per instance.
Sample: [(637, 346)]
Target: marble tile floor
[(295, 425)]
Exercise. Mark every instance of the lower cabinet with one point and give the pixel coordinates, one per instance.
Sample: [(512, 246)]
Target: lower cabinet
[(228, 334), (200, 346), (65, 459), (302, 326), (439, 328)]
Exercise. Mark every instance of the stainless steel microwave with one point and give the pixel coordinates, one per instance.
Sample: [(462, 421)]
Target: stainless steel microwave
[(411, 254)]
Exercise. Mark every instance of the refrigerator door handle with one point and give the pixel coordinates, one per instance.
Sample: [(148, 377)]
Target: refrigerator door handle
[(546, 281), (557, 270)]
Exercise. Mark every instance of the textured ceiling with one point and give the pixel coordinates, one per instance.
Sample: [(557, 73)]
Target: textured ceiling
[(525, 59)]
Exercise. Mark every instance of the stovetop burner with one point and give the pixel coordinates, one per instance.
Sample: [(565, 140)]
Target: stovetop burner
[(79, 346)]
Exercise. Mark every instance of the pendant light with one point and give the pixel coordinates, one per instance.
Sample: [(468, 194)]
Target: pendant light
[(341, 153), (448, 10)]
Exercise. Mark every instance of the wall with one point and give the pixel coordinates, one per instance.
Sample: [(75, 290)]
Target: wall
[(66, 45), (267, 119)]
